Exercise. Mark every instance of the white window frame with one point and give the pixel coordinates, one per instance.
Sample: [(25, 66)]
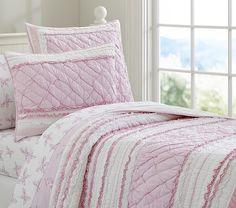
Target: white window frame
[(156, 69)]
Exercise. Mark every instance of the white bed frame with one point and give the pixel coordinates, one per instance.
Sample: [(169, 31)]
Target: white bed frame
[(13, 42), (18, 42)]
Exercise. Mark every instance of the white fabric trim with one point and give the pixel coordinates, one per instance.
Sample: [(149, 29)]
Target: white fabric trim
[(205, 159), (15, 59)]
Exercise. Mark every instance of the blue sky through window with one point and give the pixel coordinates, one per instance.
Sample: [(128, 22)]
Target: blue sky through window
[(210, 54), (210, 50)]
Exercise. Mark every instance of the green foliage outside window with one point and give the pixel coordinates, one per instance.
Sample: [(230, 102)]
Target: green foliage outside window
[(211, 101), (176, 91)]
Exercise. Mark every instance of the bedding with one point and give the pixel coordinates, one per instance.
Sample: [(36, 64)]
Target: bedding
[(58, 40), (7, 105), (7, 185), (13, 154), (50, 86), (132, 155)]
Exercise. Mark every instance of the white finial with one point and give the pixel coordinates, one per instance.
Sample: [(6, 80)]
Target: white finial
[(100, 14)]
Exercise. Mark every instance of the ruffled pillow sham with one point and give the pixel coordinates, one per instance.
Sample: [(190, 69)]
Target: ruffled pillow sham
[(50, 86), (57, 40)]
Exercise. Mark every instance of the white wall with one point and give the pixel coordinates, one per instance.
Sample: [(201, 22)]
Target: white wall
[(13, 13), (129, 13)]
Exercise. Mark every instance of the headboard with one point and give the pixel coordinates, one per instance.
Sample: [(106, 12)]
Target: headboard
[(14, 42), (18, 42)]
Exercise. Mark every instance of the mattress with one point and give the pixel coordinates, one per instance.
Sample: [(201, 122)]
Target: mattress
[(7, 185), (13, 154)]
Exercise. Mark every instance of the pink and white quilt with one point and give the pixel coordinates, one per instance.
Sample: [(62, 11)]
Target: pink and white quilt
[(132, 155)]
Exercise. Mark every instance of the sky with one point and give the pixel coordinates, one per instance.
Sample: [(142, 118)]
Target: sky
[(211, 45), (206, 12)]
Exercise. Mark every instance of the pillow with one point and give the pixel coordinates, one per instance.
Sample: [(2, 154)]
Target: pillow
[(57, 40), (7, 104), (50, 86)]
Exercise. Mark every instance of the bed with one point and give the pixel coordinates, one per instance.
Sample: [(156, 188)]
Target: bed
[(8, 177), (7, 185), (133, 155), (13, 155), (117, 154)]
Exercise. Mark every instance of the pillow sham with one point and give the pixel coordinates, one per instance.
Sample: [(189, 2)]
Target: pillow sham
[(7, 104), (50, 86), (57, 40)]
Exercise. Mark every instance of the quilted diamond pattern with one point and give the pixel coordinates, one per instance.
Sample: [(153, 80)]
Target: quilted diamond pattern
[(51, 86), (59, 86), (57, 40)]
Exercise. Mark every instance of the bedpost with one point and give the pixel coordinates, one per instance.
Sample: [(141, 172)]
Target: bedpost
[(100, 14)]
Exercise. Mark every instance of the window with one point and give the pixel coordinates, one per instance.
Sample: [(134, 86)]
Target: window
[(196, 54)]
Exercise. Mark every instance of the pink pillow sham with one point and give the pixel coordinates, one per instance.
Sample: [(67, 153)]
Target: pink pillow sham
[(7, 103), (57, 40), (49, 86)]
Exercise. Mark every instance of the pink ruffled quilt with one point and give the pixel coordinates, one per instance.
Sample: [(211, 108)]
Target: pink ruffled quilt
[(132, 155)]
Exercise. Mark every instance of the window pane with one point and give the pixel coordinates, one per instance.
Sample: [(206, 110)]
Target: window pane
[(174, 48), (179, 10), (234, 52), (212, 93), (233, 12), (234, 97), (175, 89), (211, 50), (211, 12)]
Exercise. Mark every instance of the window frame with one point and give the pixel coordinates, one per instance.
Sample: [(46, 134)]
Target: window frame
[(156, 51)]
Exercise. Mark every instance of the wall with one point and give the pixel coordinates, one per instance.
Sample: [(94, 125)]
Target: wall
[(130, 15), (13, 13)]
